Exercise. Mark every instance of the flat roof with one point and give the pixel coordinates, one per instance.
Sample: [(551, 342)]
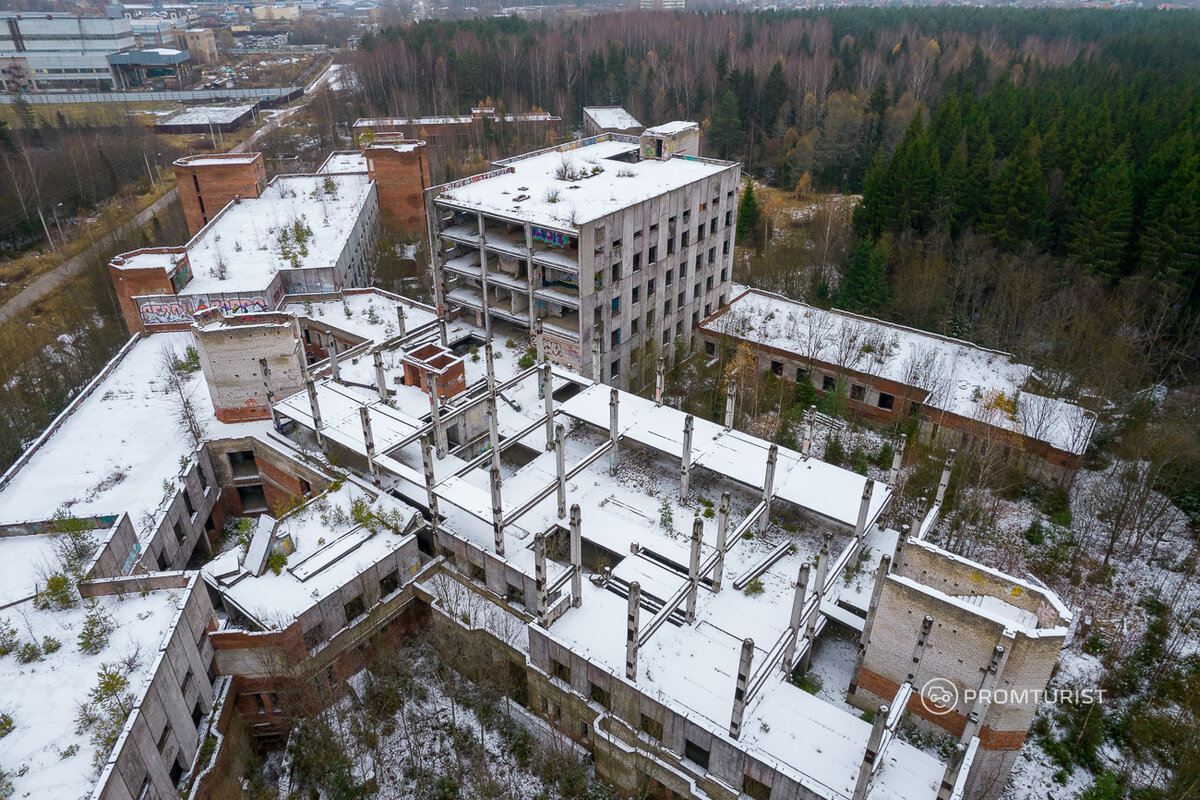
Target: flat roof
[(527, 188), (957, 375), (203, 115), (344, 161), (612, 117)]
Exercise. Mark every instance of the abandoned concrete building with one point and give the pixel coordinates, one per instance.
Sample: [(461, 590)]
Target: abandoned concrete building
[(463, 131), (965, 396), (648, 580), (617, 245), (609, 119)]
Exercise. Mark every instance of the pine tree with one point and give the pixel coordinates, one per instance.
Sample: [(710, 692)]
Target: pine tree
[(865, 286), (749, 215), (1018, 203), (1100, 233), (773, 95), (726, 125)]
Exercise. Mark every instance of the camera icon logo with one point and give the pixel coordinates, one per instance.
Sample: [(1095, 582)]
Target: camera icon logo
[(939, 696)]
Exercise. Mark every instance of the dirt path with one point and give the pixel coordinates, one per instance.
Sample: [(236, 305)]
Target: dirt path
[(46, 283)]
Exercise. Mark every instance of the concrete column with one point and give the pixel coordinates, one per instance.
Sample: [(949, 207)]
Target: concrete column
[(493, 431), (694, 570), (660, 381), (380, 377), (897, 459), (316, 411), (333, 361), (874, 743), (442, 336), (560, 464), (944, 483), (864, 509), (789, 652), (369, 441), (919, 519), (919, 649), (823, 563), (768, 488), (400, 326), (427, 463), (497, 511), (576, 558), (490, 362), (435, 412), (991, 674), (745, 662), (864, 639), (597, 367), (901, 541), (631, 630), (539, 574), (546, 385), (810, 417), (613, 434), (539, 340), (266, 376), (730, 405), (722, 532), (685, 462)]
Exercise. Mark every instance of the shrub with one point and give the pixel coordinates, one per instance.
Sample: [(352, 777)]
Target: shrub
[(835, 453), (97, 626), (527, 360), (29, 652), (6, 725), (709, 513), (206, 751), (50, 645), (1034, 533), (1094, 645), (809, 682), (883, 459), (753, 587), (666, 515), (58, 594), (276, 562), (8, 637)]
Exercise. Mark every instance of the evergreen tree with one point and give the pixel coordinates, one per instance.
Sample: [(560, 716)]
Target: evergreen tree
[(1100, 234), (726, 125), (749, 215), (773, 95), (865, 286), (1018, 203)]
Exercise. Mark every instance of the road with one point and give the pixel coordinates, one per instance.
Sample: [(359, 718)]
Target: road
[(45, 284)]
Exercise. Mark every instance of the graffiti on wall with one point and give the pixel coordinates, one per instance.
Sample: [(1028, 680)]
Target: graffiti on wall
[(235, 305), (180, 277), (157, 311), (561, 351), (311, 288), (167, 310), (552, 238)]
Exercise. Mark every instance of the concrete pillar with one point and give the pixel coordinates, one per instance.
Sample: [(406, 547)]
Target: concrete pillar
[(685, 462), (493, 431), (810, 417), (919, 649), (497, 511), (427, 463), (823, 562), (631, 630), (539, 341), (694, 570), (768, 488), (435, 412), (874, 743), (730, 404), (897, 459), (490, 363), (266, 376), (974, 722), (864, 639), (613, 434), (539, 574), (597, 367), (801, 593), (369, 440), (660, 381), (864, 509), (546, 384), (745, 662), (442, 336), (401, 329), (316, 411), (944, 483), (560, 465), (919, 519), (576, 558), (380, 377), (901, 540), (333, 361), (722, 532)]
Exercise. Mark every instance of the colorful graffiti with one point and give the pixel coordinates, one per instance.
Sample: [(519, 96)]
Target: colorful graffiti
[(180, 277), (311, 288), (169, 312), (235, 305), (552, 238), (561, 351)]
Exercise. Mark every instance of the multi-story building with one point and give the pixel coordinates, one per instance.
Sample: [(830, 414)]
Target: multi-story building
[(619, 246), (200, 44), (64, 51)]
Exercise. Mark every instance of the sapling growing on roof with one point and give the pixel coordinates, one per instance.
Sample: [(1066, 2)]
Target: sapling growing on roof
[(107, 708), (97, 625), (187, 411)]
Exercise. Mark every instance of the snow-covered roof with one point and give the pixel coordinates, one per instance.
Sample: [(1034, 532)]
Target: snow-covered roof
[(672, 128), (44, 756), (218, 158), (203, 115), (612, 117), (527, 188), (248, 237), (955, 376), (114, 451), (344, 161)]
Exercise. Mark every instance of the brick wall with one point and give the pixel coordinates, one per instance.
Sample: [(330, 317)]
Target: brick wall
[(130, 283), (206, 185), (401, 178)]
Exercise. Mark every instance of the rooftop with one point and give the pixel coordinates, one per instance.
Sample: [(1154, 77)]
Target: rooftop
[(957, 376), (612, 117), (203, 115), (248, 239), (527, 187), (343, 161)]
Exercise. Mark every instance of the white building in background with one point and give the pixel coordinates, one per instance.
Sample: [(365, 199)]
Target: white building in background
[(618, 245), (47, 51)]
